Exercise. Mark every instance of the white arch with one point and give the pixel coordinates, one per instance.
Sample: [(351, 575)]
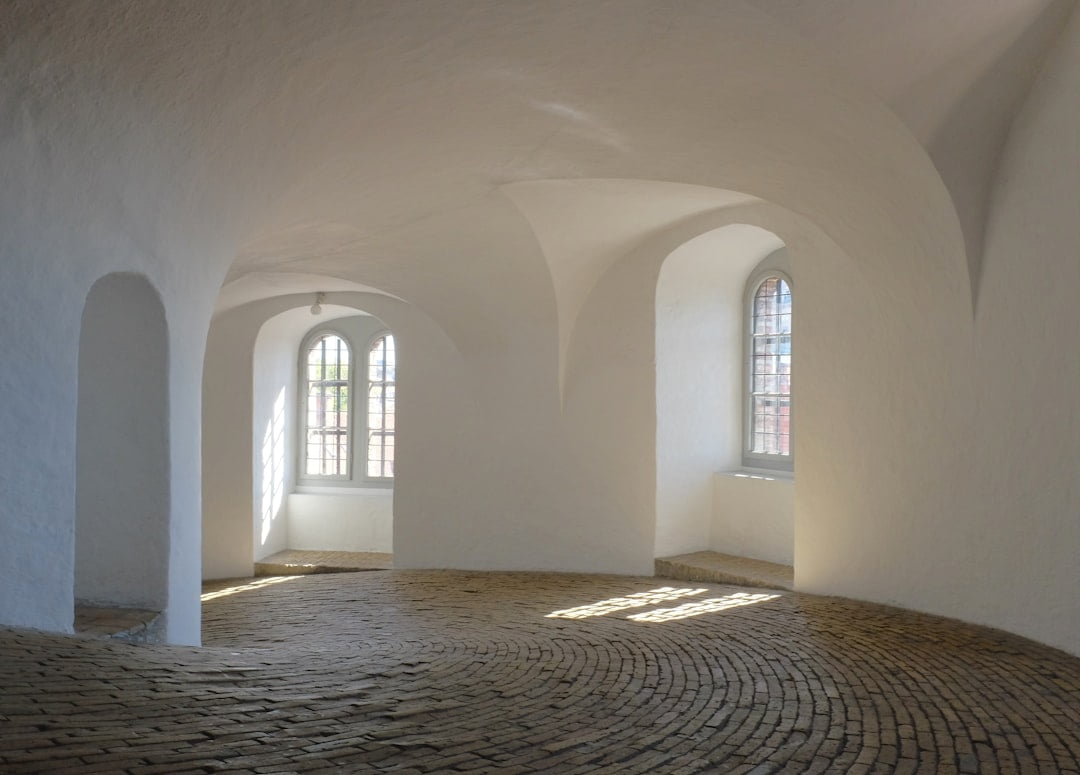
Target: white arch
[(435, 412), (122, 488)]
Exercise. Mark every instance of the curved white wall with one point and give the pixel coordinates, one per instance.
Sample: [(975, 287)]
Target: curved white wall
[(274, 400), (1023, 526)]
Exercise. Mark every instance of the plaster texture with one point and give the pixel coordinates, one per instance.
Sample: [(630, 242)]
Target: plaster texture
[(1026, 523), (955, 73), (753, 515), (344, 521), (274, 401), (503, 184)]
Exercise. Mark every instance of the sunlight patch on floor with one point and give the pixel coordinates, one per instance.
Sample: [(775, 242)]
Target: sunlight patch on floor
[(614, 604), (246, 587), (699, 607)]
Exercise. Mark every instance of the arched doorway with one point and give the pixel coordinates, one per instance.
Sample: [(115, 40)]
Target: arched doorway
[(122, 453)]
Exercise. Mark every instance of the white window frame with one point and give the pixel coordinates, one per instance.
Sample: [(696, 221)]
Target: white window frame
[(304, 387), (368, 382), (751, 459)]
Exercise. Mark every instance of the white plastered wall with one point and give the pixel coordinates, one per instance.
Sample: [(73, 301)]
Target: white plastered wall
[(754, 515), (274, 400), (59, 150), (345, 520), (1022, 523)]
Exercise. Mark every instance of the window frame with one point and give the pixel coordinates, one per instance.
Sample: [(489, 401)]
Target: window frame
[(751, 459), (383, 481), (302, 393)]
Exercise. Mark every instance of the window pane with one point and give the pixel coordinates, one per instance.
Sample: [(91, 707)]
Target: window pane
[(380, 408), (770, 379), (327, 409)]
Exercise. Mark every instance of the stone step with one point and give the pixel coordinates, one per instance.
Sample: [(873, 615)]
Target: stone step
[(133, 625), (725, 569), (301, 562)]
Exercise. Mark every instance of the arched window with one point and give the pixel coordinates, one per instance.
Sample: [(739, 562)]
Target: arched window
[(326, 410), (382, 371), (768, 404)]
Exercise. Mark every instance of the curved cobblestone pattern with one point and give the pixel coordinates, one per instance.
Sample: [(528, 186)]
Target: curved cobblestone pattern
[(418, 672)]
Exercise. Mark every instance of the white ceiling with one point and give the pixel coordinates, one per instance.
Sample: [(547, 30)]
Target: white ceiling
[(436, 107), (372, 141)]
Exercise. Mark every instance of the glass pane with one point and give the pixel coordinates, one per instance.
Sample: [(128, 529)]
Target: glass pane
[(327, 409), (770, 409)]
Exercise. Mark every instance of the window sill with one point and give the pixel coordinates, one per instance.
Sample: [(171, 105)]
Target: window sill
[(760, 474), (330, 489)]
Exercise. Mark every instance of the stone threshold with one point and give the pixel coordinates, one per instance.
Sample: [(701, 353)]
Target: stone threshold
[(725, 569), (302, 562), (132, 625)]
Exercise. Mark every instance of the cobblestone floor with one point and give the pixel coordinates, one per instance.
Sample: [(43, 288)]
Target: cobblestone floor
[(421, 672)]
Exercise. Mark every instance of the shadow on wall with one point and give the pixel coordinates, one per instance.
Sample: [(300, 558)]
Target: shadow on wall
[(122, 453)]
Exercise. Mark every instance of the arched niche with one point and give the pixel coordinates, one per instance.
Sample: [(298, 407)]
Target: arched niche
[(294, 509), (122, 451), (700, 305), (252, 360)]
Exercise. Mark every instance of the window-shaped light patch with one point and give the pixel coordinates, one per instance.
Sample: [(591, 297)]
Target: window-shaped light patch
[(701, 607), (326, 413), (634, 600), (382, 373), (770, 390)]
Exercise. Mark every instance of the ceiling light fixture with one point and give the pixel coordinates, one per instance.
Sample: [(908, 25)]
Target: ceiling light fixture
[(316, 308)]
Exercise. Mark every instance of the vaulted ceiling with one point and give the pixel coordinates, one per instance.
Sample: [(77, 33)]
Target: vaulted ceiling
[(377, 142)]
